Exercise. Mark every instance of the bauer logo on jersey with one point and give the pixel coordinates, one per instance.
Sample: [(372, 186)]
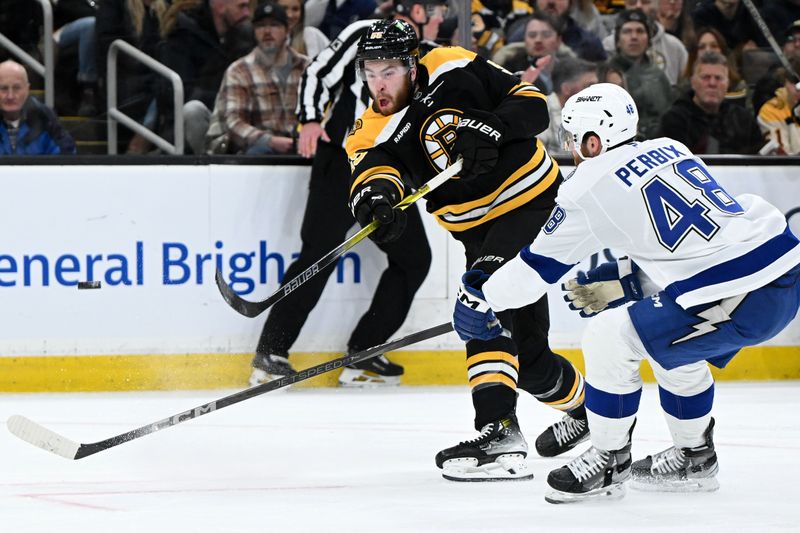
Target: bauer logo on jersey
[(556, 218), (438, 134)]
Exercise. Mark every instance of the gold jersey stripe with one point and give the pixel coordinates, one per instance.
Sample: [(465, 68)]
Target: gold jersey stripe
[(527, 168), (526, 89), (368, 127), (500, 379), (446, 57), (381, 172), (493, 356), (506, 206), (569, 397)]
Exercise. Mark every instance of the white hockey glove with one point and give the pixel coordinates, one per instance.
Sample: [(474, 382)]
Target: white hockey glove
[(609, 285), (472, 316)]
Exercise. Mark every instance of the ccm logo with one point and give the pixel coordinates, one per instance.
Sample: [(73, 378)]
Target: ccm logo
[(480, 126)]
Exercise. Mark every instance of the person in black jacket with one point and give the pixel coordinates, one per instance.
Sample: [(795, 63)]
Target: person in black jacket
[(707, 123), (205, 39)]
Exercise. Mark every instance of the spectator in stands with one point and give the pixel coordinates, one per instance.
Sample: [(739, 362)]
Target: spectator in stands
[(202, 38), (535, 58), (512, 14), (646, 83), (676, 19), (732, 20), (704, 120), (791, 40), (305, 40), (777, 13), (585, 13), (711, 40), (255, 108), (28, 127), (585, 44), (341, 13), (766, 86), (779, 117), (74, 23), (666, 51), (570, 76), (138, 23)]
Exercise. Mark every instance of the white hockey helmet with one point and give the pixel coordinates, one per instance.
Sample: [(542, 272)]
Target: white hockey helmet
[(605, 109)]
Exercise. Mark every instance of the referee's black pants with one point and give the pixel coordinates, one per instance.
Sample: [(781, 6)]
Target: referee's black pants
[(325, 224)]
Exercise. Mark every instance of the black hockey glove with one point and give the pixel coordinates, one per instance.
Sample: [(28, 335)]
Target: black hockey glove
[(478, 137), (375, 201)]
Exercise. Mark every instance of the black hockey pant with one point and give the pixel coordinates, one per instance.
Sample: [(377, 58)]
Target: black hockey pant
[(498, 366)]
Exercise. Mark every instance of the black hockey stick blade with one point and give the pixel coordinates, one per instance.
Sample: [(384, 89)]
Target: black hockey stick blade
[(49, 440), (252, 309)]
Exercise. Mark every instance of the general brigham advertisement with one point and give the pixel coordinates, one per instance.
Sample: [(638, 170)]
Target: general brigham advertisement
[(154, 235)]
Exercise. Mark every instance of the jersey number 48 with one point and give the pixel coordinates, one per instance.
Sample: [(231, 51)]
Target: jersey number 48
[(674, 216)]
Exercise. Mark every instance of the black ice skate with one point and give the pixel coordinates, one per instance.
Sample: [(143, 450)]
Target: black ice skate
[(498, 454), (562, 436), (594, 474), (269, 367), (679, 469), (375, 372)]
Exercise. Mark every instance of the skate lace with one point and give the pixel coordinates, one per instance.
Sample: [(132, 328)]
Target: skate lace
[(567, 429), (486, 432), (670, 460), (589, 463)]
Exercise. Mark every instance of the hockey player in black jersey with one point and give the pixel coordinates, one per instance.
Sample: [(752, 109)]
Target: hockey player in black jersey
[(329, 101), (425, 114)]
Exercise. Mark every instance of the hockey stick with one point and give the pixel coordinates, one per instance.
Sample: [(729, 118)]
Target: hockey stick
[(759, 20), (253, 309), (49, 440)]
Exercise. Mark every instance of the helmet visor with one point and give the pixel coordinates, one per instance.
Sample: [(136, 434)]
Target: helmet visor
[(372, 70)]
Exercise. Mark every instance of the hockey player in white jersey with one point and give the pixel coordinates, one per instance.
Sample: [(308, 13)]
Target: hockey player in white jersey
[(721, 271)]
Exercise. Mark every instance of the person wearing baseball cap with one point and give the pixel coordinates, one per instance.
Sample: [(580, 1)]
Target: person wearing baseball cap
[(270, 10), (254, 110), (647, 84)]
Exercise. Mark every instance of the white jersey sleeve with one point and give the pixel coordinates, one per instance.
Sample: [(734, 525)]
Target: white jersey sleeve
[(563, 242), (658, 203)]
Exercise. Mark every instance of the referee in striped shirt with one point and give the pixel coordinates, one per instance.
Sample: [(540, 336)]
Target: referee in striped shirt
[(330, 98)]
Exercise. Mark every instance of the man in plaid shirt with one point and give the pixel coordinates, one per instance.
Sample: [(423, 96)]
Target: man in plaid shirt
[(254, 112)]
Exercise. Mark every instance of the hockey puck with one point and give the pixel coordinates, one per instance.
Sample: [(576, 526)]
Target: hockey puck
[(88, 285)]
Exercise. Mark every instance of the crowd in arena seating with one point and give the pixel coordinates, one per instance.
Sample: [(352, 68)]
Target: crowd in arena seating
[(700, 71)]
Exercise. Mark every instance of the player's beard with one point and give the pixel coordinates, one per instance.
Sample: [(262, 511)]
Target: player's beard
[(398, 101)]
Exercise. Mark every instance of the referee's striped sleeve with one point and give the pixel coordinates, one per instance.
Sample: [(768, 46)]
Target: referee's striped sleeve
[(324, 74)]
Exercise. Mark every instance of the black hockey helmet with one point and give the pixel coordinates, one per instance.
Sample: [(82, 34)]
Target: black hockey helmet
[(388, 39)]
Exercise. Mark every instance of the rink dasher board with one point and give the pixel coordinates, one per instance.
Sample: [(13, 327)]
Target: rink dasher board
[(153, 234)]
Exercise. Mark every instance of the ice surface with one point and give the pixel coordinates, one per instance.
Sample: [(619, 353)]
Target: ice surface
[(326, 460)]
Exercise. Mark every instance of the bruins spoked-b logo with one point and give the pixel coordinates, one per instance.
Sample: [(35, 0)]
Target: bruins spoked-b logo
[(438, 135)]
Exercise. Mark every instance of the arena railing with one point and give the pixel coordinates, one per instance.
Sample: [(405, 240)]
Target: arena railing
[(47, 69), (116, 116)]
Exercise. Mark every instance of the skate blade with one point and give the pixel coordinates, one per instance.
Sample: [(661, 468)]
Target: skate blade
[(705, 484), (354, 378), (259, 377), (509, 467), (615, 491)]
